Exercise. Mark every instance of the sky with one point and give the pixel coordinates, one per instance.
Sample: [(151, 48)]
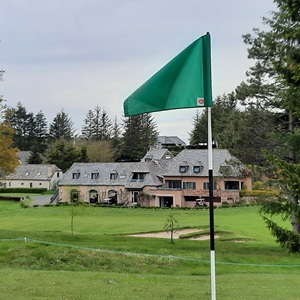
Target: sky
[(78, 54)]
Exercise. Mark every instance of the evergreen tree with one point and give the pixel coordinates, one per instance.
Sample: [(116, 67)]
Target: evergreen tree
[(63, 154), (61, 127), (273, 85), (87, 128), (97, 125), (40, 132), (139, 134)]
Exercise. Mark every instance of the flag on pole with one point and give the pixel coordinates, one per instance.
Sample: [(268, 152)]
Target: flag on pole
[(184, 82)]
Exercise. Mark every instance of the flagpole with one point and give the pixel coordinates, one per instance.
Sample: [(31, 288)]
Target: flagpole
[(211, 207)]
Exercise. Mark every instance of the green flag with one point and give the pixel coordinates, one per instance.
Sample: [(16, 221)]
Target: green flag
[(182, 83)]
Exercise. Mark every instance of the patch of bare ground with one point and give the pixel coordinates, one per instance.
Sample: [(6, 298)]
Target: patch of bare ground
[(177, 234)]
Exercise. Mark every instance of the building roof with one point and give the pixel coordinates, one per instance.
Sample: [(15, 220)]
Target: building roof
[(103, 174), (33, 172), (188, 159), (158, 155), (25, 155), (170, 140)]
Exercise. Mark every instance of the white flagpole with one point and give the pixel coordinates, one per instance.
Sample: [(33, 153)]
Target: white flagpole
[(211, 207)]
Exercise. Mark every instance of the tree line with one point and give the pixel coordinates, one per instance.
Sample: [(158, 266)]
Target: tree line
[(101, 139)]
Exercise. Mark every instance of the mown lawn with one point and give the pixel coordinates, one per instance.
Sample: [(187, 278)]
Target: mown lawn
[(102, 262)]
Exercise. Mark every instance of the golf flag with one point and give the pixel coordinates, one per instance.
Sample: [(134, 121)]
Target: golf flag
[(184, 82)]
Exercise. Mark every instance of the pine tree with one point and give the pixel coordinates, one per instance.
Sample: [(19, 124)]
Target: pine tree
[(139, 134), (274, 84), (61, 127)]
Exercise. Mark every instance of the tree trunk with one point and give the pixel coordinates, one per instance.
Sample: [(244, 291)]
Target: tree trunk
[(295, 200)]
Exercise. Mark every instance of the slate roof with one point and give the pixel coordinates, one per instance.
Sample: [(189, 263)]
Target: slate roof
[(33, 172), (170, 140), (25, 155), (199, 157), (124, 172), (158, 155)]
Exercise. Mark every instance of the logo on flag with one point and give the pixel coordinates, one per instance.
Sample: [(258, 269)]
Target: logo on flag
[(200, 102)]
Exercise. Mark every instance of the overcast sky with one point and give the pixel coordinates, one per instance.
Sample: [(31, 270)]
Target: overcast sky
[(77, 54)]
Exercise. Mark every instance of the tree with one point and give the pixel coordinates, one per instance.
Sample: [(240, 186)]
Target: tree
[(273, 84), (29, 129), (63, 154), (171, 225), (19, 120), (8, 154), (139, 134), (97, 125), (40, 131), (100, 151), (61, 127)]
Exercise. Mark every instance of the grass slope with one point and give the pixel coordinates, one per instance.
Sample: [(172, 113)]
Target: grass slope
[(66, 267)]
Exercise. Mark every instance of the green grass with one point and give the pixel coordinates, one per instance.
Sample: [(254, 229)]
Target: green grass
[(51, 264)]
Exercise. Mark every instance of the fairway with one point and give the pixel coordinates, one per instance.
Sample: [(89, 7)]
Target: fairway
[(41, 259)]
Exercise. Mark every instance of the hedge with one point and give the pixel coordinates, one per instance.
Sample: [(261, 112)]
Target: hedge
[(24, 190), (256, 193)]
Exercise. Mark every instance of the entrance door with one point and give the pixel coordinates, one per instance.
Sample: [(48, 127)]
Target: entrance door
[(135, 196), (165, 201)]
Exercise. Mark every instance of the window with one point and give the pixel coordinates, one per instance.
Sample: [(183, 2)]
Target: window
[(189, 185), (232, 185), (95, 175), (75, 175), (40, 183), (206, 185), (113, 175), (57, 174), (138, 177), (122, 176), (183, 169), (174, 184), (198, 168)]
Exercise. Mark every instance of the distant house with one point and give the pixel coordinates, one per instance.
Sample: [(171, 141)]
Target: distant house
[(167, 141), (25, 155), (158, 180), (34, 176)]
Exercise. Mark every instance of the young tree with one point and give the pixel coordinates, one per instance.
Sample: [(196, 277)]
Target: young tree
[(61, 127), (171, 225)]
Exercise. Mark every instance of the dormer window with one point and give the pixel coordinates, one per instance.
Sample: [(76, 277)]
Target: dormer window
[(198, 167), (95, 175), (75, 175), (27, 173), (138, 177), (113, 175), (183, 167)]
